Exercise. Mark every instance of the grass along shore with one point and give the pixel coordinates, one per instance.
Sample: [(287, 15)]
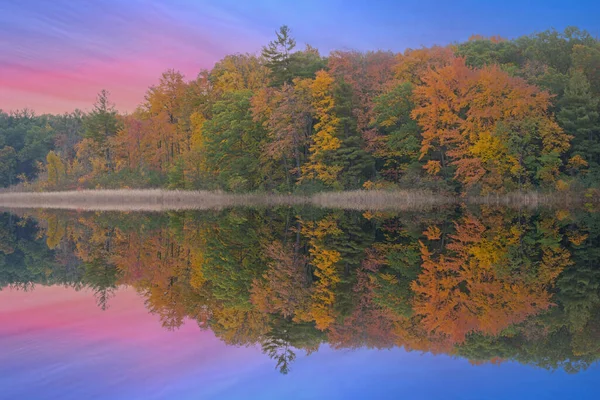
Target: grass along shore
[(162, 200)]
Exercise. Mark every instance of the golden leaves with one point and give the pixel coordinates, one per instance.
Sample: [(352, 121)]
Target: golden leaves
[(433, 167), (433, 233), (324, 139)]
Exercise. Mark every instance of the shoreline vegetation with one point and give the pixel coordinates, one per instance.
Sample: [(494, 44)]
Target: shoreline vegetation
[(364, 200)]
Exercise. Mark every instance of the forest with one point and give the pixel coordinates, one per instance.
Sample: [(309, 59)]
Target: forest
[(486, 116), (488, 284)]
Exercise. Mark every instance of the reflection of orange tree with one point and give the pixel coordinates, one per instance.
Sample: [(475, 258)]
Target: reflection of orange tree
[(381, 316), (465, 290)]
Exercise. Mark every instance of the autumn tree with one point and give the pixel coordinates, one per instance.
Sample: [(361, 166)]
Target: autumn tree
[(56, 169), (365, 75), (238, 72), (165, 123), (287, 115), (324, 140), (470, 119)]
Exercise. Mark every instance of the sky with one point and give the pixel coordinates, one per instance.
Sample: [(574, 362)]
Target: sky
[(57, 55), (55, 343)]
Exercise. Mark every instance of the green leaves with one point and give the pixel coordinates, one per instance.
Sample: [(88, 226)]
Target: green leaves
[(234, 142), (8, 165), (278, 56)]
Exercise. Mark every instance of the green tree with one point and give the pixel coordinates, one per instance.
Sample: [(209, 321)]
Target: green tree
[(102, 124), (578, 116), (306, 63), (233, 143), (480, 51), (278, 56), (8, 166), (399, 136)]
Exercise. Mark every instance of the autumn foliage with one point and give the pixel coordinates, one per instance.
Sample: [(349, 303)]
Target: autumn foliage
[(485, 116)]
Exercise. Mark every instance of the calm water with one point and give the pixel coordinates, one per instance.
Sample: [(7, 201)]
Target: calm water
[(300, 304)]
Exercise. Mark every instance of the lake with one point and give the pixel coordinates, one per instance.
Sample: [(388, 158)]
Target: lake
[(300, 302)]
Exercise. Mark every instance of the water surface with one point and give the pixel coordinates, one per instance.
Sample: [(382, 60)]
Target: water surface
[(300, 303)]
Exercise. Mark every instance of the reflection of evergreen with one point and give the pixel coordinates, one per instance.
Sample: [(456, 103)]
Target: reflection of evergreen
[(233, 251), (579, 285), (101, 278), (284, 337), (357, 235)]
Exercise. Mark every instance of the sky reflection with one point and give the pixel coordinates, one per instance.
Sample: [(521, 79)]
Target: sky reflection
[(57, 344)]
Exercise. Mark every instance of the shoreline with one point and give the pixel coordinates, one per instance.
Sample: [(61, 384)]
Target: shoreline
[(165, 200)]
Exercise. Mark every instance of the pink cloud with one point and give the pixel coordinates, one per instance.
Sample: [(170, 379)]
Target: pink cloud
[(60, 66)]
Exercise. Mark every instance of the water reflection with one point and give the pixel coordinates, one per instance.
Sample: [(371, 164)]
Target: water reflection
[(490, 285)]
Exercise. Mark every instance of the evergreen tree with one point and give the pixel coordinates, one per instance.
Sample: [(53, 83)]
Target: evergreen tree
[(578, 116), (102, 124), (278, 56)]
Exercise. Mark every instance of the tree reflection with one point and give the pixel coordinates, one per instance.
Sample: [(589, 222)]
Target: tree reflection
[(486, 284)]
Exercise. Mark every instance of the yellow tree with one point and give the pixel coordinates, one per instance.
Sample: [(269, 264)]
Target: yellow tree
[(324, 140), (412, 65), (56, 169), (324, 260), (164, 111), (239, 72)]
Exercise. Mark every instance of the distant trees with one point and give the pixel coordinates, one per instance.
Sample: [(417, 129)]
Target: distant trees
[(26, 139)]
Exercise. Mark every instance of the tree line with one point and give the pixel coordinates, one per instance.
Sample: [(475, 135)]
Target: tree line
[(485, 116)]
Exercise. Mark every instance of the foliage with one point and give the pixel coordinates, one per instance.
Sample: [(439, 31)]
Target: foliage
[(485, 116)]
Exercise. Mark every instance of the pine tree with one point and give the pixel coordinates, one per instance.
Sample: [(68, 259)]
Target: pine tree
[(101, 124), (278, 56)]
